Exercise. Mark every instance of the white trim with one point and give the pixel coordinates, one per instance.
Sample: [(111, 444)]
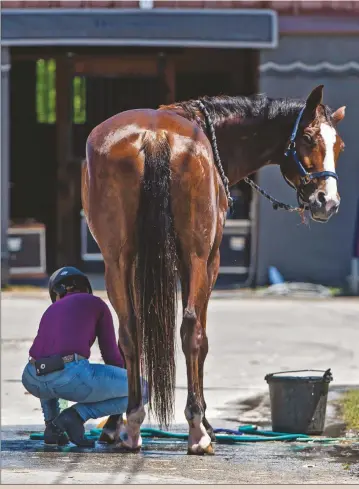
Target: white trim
[(275, 29), (157, 11), (26, 270), (85, 231), (314, 68), (145, 42), (240, 227), (136, 42), (91, 256), (29, 270), (27, 230), (5, 68), (234, 270), (84, 228), (245, 223), (236, 232)]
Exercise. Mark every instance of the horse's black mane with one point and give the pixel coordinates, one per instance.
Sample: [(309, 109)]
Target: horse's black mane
[(224, 108)]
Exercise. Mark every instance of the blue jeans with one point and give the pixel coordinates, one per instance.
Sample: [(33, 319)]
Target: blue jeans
[(99, 390)]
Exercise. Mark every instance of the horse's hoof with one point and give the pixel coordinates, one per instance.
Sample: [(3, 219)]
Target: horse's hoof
[(129, 434), (111, 429), (123, 447), (107, 436), (201, 447), (198, 450), (129, 443), (199, 441)]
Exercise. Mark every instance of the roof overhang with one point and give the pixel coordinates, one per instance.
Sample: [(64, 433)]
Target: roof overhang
[(207, 28)]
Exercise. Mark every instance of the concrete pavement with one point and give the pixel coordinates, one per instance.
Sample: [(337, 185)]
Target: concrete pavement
[(248, 338)]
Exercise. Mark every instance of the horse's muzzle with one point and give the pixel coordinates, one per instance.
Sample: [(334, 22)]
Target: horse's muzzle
[(323, 212), (321, 208)]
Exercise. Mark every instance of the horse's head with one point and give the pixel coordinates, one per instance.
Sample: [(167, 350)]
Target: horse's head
[(312, 155)]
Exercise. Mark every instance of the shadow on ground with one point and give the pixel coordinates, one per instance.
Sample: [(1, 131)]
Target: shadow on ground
[(165, 461)]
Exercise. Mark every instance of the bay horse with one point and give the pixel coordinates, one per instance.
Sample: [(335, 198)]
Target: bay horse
[(155, 192)]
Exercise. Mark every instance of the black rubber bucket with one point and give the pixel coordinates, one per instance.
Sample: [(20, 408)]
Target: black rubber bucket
[(298, 400)]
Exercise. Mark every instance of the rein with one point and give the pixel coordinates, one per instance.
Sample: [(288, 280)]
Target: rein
[(217, 158)]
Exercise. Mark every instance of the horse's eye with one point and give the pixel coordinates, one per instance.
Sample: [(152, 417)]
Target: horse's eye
[(309, 140)]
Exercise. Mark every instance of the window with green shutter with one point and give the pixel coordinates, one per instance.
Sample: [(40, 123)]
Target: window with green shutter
[(46, 94)]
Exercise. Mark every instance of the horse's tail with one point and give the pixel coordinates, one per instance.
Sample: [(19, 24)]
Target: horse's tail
[(157, 279)]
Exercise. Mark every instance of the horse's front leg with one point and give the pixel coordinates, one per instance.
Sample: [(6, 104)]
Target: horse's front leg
[(213, 268), (117, 279), (192, 335)]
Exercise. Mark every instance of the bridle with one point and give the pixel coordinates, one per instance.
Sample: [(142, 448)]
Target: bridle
[(305, 177)]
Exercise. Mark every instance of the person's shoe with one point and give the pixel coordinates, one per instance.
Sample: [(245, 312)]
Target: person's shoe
[(71, 422), (54, 436)]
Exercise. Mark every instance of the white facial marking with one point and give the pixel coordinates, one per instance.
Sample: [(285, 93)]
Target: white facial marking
[(328, 134)]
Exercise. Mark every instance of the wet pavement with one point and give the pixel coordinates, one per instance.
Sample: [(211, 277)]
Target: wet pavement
[(163, 461), (248, 339)]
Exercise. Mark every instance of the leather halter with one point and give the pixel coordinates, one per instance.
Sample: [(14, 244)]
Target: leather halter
[(305, 177)]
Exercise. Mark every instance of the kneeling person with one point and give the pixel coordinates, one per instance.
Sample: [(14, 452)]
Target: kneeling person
[(59, 366)]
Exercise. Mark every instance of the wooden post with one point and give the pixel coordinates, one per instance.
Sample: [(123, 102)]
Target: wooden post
[(170, 77), (167, 74), (5, 161), (65, 199)]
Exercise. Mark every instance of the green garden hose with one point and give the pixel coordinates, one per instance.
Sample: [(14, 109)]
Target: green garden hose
[(244, 434)]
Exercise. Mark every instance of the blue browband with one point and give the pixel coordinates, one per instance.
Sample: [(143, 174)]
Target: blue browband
[(305, 177)]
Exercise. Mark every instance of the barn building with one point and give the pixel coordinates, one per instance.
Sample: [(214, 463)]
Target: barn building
[(68, 65)]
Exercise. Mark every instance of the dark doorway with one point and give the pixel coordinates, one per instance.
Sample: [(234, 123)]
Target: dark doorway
[(125, 82), (33, 155), (107, 96), (104, 97)]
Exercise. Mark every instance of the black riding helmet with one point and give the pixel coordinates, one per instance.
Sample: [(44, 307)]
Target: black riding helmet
[(66, 277)]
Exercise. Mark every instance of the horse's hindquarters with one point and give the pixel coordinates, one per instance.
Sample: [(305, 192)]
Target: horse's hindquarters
[(153, 198)]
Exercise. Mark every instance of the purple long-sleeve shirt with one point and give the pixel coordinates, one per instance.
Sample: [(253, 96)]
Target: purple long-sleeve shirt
[(71, 325)]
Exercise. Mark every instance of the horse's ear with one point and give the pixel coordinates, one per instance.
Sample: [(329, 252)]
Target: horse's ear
[(314, 99), (338, 115)]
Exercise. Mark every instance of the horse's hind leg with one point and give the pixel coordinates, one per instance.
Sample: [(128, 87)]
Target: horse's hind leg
[(212, 268), (195, 281), (203, 350), (119, 279)]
